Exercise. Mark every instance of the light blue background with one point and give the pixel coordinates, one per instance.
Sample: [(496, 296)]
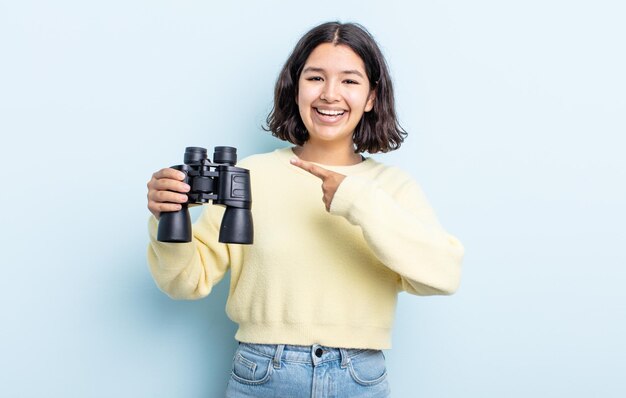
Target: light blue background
[(516, 114)]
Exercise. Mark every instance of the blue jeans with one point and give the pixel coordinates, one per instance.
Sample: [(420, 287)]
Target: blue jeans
[(286, 371)]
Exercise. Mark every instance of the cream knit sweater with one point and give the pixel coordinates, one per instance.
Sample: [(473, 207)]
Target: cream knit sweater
[(313, 276)]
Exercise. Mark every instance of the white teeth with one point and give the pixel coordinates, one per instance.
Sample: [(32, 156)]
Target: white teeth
[(330, 113)]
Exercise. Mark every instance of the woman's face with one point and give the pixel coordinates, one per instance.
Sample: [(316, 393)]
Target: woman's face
[(333, 94)]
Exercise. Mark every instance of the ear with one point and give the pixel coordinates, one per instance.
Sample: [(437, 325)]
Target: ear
[(369, 105)]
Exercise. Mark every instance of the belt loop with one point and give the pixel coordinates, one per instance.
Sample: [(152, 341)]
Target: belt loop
[(278, 354), (344, 358)]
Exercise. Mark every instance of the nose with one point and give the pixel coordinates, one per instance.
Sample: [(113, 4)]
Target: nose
[(330, 92)]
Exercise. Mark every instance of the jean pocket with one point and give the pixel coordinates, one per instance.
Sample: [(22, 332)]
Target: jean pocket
[(368, 368), (250, 367)]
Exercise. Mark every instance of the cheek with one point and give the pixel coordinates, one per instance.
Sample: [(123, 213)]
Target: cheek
[(301, 96), (302, 108), (304, 99), (358, 97), (358, 102), (305, 94), (304, 111)]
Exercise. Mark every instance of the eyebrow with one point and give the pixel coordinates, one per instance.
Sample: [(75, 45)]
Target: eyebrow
[(345, 72)]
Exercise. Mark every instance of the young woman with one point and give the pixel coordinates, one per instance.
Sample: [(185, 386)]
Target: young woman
[(315, 295)]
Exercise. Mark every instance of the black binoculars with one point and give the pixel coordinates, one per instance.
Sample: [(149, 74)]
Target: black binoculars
[(220, 182)]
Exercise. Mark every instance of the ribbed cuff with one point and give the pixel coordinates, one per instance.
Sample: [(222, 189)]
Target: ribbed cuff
[(349, 191)]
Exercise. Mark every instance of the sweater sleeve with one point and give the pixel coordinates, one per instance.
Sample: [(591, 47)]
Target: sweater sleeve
[(190, 270), (404, 233)]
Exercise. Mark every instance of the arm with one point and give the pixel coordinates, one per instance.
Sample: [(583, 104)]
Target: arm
[(403, 232), (190, 270)]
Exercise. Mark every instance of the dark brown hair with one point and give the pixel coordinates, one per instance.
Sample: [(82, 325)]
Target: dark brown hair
[(378, 130)]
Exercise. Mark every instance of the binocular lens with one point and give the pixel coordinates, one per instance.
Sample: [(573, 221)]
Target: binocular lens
[(237, 226), (194, 154), (225, 155), (175, 226)]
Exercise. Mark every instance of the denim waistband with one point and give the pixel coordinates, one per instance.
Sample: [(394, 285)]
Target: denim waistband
[(313, 354)]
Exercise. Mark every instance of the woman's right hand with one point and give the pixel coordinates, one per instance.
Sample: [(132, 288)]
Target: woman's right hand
[(166, 191)]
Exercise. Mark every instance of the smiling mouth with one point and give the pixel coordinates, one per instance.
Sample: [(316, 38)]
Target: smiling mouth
[(326, 112)]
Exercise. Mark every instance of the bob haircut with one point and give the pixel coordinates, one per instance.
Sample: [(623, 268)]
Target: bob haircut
[(378, 130)]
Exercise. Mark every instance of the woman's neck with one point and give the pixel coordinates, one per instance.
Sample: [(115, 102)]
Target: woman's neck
[(331, 155)]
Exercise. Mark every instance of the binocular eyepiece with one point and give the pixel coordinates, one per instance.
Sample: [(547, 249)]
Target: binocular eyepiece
[(220, 182)]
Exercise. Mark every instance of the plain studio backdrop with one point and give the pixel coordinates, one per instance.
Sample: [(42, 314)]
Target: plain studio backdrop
[(516, 119)]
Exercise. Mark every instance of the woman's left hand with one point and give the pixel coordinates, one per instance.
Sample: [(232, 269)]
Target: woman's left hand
[(330, 179)]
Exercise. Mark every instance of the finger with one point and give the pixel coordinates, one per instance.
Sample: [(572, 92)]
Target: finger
[(167, 184), (314, 169), (326, 203), (167, 197), (158, 208), (170, 173)]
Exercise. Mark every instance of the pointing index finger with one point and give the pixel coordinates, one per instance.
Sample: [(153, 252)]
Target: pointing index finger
[(314, 169)]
